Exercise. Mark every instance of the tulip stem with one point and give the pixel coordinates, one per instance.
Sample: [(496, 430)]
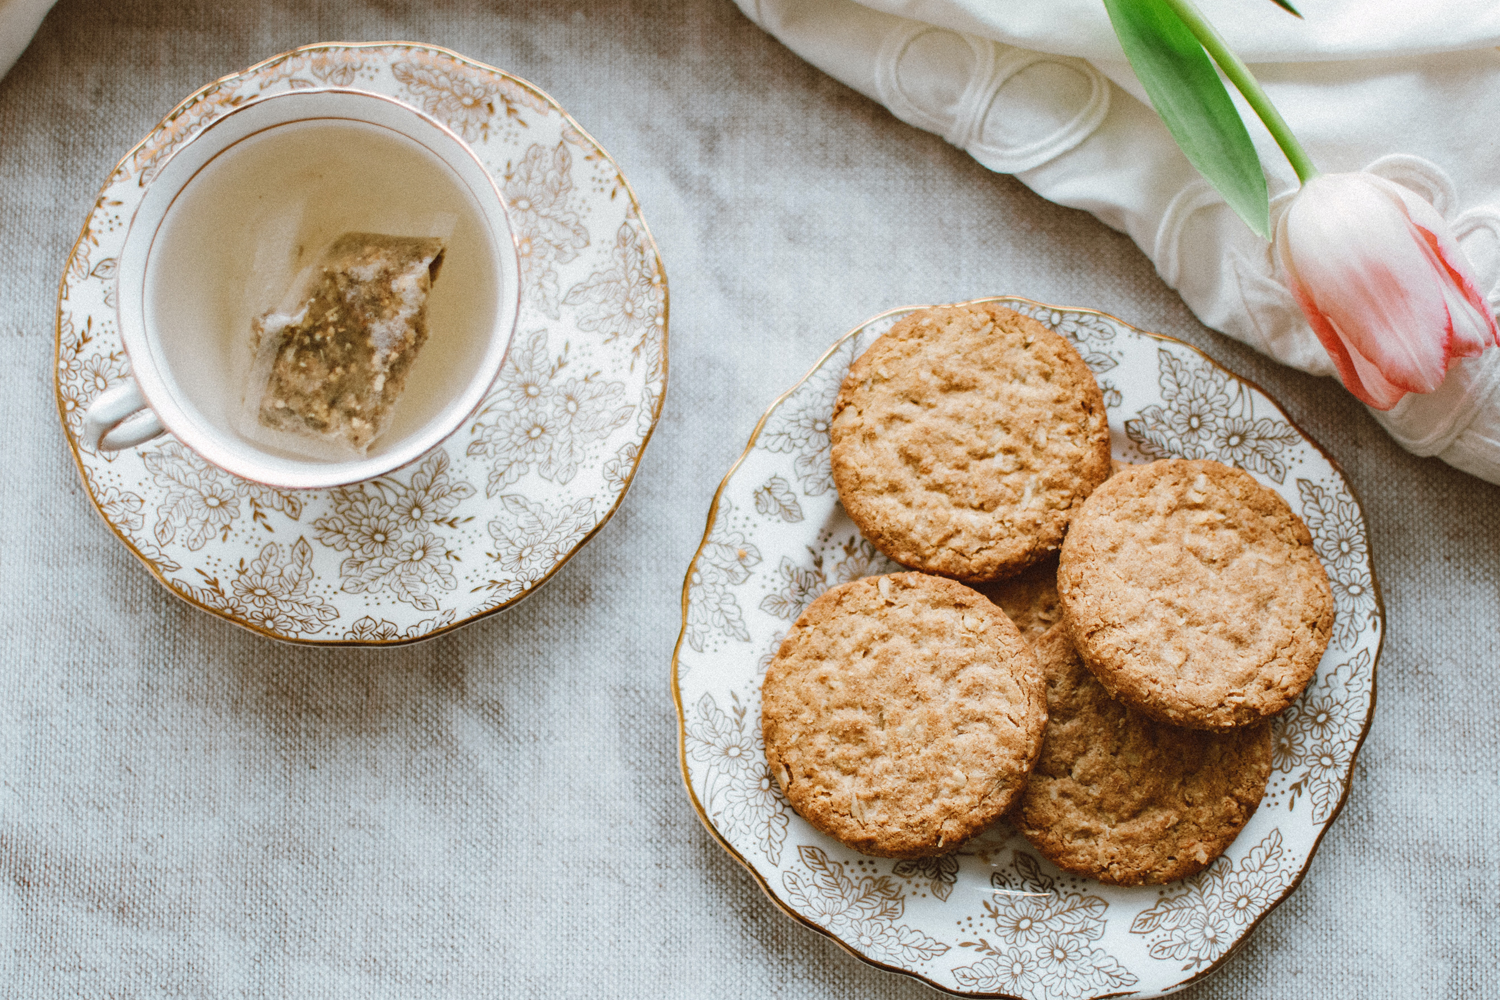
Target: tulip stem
[(1240, 75)]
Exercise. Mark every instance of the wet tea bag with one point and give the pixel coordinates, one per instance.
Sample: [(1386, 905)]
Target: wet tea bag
[(330, 361)]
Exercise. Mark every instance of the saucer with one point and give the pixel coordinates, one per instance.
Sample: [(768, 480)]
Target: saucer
[(486, 517), (994, 918)]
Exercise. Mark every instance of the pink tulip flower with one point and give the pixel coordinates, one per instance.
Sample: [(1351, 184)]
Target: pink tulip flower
[(1383, 284)]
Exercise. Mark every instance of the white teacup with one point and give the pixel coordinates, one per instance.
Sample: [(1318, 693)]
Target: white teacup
[(216, 241)]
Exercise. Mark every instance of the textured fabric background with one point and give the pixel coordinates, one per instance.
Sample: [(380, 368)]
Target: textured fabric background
[(187, 810)]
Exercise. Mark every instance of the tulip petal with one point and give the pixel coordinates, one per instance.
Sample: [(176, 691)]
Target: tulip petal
[(1374, 388), (1469, 334), (1473, 321), (1379, 393), (1380, 288)]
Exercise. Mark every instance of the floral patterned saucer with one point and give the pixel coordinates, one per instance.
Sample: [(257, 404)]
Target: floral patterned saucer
[(995, 919), (484, 519)]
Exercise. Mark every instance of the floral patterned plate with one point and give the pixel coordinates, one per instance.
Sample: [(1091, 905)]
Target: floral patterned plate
[(995, 919), (482, 520)]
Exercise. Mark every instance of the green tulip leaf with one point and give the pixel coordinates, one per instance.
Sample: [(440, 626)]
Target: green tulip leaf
[(1287, 7), (1187, 92)]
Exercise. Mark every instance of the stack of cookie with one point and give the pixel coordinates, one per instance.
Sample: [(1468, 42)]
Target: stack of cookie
[(1165, 614)]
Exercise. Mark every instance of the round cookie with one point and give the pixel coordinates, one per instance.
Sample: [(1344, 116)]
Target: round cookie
[(1193, 593), (965, 438), (1029, 599), (902, 713), (1121, 798)]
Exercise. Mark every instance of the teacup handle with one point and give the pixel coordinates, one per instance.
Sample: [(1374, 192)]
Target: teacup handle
[(120, 418)]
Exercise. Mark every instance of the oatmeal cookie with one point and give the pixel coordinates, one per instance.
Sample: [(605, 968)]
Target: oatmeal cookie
[(965, 438), (902, 713), (1193, 593), (1127, 800), (1029, 598)]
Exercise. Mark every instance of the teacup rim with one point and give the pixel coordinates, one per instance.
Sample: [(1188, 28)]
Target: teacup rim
[(279, 472)]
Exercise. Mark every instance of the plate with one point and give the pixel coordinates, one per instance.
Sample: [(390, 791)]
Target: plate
[(995, 918), (479, 522)]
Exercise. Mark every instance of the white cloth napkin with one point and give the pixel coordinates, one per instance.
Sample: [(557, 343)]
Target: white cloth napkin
[(1042, 91), (19, 20)]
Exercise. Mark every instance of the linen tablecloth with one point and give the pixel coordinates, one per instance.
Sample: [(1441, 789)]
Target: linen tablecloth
[(188, 810)]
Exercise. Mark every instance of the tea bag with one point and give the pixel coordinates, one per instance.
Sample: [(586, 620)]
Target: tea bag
[(331, 360)]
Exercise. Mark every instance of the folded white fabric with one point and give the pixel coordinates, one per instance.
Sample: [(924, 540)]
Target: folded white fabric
[(1042, 91), (19, 20)]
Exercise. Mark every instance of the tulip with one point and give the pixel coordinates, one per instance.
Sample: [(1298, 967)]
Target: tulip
[(1383, 284)]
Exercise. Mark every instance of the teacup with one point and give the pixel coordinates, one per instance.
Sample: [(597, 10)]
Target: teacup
[(220, 234)]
